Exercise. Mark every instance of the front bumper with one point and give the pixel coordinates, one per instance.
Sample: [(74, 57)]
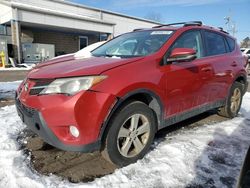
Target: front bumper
[(35, 121)]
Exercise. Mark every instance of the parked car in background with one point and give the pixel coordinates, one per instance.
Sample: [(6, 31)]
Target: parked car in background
[(246, 51), (86, 52), (83, 53), (131, 87), (244, 178)]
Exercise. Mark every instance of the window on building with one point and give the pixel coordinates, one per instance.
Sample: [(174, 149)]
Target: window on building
[(5, 30), (215, 43), (8, 30), (83, 42), (2, 30), (103, 37)]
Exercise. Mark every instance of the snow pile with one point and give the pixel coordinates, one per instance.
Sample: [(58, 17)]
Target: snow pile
[(208, 155), (9, 86), (7, 89)]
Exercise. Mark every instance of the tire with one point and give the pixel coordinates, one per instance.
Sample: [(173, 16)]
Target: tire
[(123, 145), (246, 180), (233, 102)]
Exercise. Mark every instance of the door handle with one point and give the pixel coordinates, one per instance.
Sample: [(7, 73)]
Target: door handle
[(234, 64), (206, 69)]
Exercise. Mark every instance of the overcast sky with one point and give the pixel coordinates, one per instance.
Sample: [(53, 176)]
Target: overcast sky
[(211, 12)]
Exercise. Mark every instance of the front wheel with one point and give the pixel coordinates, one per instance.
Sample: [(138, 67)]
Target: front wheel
[(233, 103), (130, 134)]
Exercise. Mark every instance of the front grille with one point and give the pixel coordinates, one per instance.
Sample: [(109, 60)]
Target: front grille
[(27, 110), (39, 86)]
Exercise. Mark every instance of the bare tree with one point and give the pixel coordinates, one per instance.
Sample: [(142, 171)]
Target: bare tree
[(245, 43), (154, 16)]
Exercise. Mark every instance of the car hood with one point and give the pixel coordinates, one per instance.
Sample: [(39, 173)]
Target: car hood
[(68, 66)]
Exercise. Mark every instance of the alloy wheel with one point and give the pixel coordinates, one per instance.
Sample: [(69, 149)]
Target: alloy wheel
[(133, 135), (235, 100)]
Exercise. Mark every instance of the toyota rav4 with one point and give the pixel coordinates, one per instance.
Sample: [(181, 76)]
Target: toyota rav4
[(131, 87)]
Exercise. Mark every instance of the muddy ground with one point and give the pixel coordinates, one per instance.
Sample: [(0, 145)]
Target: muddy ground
[(75, 166)]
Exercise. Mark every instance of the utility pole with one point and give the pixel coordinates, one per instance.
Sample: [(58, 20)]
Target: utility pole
[(230, 25)]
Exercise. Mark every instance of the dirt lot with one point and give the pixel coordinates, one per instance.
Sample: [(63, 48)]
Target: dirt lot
[(76, 166)]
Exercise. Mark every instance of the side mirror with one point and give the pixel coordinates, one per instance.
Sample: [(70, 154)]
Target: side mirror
[(182, 54)]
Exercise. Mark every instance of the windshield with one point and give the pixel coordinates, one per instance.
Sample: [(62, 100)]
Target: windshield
[(133, 44)]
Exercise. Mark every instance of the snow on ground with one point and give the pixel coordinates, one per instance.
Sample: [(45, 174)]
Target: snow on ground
[(208, 155), (7, 89)]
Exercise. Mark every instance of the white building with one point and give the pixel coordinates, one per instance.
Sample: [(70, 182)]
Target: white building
[(66, 25)]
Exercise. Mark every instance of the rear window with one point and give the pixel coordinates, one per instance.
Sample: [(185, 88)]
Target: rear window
[(231, 43), (215, 44)]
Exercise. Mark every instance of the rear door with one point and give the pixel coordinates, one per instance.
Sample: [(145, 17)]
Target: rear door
[(222, 62), (187, 83)]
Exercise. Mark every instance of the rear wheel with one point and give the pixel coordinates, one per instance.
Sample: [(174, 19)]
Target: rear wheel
[(130, 134), (233, 103)]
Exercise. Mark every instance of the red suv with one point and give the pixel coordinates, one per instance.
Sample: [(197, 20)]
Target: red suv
[(131, 87)]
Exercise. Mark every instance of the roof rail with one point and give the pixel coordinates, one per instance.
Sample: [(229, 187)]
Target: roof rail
[(190, 23), (221, 29), (139, 29)]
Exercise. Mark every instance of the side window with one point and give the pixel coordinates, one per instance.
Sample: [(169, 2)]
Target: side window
[(215, 44), (190, 39), (231, 44)]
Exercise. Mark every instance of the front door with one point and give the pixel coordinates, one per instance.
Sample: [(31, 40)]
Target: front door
[(187, 83)]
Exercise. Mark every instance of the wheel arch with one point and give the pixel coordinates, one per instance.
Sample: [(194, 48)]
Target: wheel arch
[(242, 78), (146, 96)]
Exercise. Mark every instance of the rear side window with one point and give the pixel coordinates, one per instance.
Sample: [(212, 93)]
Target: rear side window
[(231, 43), (215, 44)]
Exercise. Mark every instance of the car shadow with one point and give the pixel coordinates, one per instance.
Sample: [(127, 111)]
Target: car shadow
[(209, 117), (220, 162)]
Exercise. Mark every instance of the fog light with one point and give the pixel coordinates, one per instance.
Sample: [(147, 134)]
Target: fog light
[(74, 131)]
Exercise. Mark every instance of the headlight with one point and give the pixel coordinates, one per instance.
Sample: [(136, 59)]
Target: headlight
[(72, 85)]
